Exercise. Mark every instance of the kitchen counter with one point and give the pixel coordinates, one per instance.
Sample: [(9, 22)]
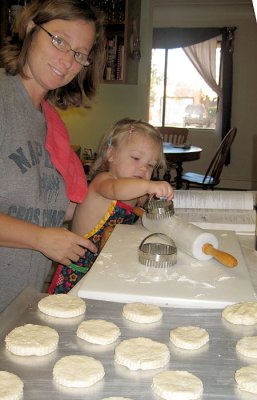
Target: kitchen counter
[(215, 364)]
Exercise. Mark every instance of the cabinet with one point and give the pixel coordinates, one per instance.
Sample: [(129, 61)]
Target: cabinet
[(122, 26), (4, 19), (9, 9)]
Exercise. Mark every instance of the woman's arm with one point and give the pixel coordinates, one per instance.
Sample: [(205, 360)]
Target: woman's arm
[(58, 244)]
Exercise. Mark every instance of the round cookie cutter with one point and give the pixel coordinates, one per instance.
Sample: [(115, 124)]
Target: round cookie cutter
[(159, 208), (157, 255)]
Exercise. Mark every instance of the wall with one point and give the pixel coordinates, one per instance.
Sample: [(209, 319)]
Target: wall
[(86, 127), (242, 172), (115, 101)]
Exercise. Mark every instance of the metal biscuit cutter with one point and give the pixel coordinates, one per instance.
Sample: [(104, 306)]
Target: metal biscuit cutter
[(158, 255), (159, 208)]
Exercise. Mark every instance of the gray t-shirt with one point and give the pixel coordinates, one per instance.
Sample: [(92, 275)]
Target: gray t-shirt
[(31, 188)]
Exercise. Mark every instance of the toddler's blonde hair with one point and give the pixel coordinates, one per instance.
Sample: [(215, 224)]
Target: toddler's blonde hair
[(117, 134)]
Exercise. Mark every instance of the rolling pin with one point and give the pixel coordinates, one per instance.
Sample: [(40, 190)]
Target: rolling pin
[(189, 238)]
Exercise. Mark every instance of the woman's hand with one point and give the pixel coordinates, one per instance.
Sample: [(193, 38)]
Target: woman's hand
[(62, 246)]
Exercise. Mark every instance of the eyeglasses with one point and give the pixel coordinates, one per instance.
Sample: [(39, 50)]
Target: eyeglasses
[(62, 45)]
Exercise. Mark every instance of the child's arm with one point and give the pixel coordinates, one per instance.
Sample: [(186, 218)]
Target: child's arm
[(130, 188)]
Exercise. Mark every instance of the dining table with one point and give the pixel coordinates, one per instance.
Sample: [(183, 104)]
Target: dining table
[(176, 155)]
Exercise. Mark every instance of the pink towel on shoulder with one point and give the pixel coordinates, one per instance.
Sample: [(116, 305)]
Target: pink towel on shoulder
[(63, 156)]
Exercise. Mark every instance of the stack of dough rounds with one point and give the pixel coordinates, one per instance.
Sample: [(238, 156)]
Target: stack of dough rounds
[(142, 313), (247, 346), (29, 339), (142, 353), (62, 305), (177, 385), (98, 331), (241, 313), (189, 337), (246, 378), (78, 371), (11, 386)]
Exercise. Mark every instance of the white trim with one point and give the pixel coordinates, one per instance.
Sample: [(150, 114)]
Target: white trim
[(255, 8)]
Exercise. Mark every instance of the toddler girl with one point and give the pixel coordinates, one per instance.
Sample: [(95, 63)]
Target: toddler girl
[(121, 180)]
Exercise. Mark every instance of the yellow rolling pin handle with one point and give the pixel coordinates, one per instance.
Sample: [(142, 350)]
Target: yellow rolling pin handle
[(224, 258)]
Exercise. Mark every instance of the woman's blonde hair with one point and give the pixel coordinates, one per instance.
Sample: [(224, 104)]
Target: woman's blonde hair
[(120, 131), (14, 52)]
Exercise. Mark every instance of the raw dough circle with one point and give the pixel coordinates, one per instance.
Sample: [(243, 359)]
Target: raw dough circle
[(244, 313), (189, 337), (142, 313), (247, 346), (78, 371), (11, 386), (142, 353), (98, 331), (29, 340), (246, 378), (177, 385), (62, 305)]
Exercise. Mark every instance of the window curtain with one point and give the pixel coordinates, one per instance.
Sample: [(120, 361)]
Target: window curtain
[(203, 57), (170, 38)]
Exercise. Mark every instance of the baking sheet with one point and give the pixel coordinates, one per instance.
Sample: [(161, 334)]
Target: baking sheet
[(117, 275), (214, 364)]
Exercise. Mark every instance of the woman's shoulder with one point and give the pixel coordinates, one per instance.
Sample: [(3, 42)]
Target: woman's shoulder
[(5, 80)]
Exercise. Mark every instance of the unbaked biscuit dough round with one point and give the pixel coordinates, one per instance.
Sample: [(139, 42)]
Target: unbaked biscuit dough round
[(141, 353), (247, 346), (244, 313), (246, 378), (78, 371), (177, 385), (11, 386), (29, 340), (142, 313), (189, 337), (62, 305), (98, 331)]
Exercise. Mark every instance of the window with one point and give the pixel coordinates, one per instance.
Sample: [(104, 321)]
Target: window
[(179, 96)]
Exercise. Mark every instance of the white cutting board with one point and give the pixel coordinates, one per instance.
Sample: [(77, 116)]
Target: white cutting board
[(118, 276)]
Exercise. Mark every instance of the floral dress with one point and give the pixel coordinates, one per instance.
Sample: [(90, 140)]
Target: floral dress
[(65, 278)]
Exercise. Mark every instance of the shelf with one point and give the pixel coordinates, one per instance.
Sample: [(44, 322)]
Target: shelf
[(122, 27)]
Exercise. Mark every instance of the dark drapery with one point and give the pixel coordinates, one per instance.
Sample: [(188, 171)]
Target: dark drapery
[(170, 38)]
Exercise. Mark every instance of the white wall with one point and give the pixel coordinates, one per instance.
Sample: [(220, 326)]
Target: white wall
[(86, 127), (242, 172)]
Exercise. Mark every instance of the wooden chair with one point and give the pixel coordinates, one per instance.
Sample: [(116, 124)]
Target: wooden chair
[(176, 136), (212, 176)]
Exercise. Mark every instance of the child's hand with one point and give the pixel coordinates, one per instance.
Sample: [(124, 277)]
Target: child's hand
[(161, 189)]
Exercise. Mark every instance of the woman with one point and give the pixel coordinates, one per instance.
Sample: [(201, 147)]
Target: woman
[(56, 56)]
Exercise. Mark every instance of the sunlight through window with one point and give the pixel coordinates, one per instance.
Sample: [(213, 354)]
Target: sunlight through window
[(179, 96)]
